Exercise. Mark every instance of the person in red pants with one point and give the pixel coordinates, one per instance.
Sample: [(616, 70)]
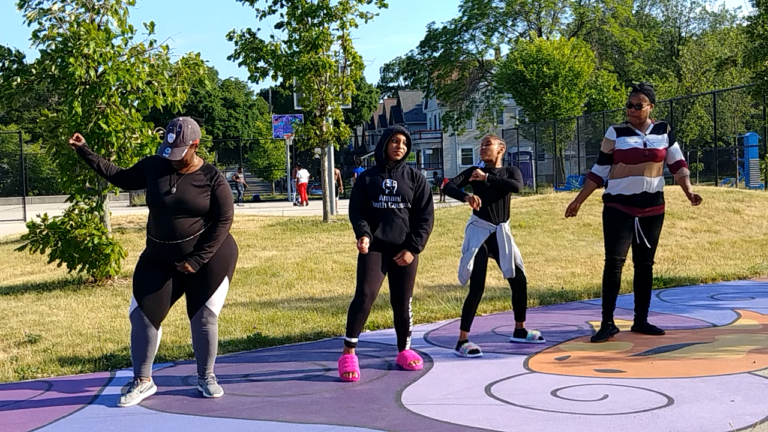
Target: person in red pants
[(302, 180)]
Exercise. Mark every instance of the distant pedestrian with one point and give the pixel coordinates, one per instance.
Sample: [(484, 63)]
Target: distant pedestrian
[(302, 180), (358, 170), (293, 193), (338, 185), (438, 179), (240, 185)]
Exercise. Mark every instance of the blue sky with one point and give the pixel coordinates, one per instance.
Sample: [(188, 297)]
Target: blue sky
[(198, 25)]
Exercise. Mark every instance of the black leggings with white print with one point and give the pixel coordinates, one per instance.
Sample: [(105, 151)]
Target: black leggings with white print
[(371, 270), (157, 285)]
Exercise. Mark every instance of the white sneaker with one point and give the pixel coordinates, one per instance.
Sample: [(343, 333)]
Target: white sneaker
[(137, 392)]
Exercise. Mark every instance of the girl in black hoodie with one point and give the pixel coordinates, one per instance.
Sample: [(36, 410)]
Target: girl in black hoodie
[(392, 213)]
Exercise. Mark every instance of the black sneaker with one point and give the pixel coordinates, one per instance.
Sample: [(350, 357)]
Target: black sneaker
[(607, 331), (647, 329)]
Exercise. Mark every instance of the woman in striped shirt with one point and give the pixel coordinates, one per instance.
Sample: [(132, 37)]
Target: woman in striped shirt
[(631, 166)]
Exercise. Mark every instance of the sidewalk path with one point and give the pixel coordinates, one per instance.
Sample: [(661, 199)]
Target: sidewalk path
[(271, 208)]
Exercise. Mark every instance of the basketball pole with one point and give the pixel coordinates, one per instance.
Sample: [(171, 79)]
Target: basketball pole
[(331, 173), (290, 186)]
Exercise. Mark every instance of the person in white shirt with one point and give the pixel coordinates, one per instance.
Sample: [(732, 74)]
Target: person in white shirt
[(302, 180)]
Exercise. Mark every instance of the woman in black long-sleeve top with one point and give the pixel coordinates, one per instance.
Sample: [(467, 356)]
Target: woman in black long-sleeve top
[(189, 250)]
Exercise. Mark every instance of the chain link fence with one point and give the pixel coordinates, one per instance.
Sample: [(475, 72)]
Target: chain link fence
[(13, 206)]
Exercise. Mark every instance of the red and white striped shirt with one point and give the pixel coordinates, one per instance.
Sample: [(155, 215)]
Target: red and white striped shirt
[(631, 166)]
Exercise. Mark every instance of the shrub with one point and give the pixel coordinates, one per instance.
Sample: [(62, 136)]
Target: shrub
[(78, 239)]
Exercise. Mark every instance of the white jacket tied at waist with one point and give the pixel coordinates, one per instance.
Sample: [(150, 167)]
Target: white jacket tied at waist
[(476, 233)]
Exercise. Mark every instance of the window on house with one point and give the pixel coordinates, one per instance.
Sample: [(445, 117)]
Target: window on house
[(470, 125), (467, 156), (521, 115), (500, 117), (433, 158)]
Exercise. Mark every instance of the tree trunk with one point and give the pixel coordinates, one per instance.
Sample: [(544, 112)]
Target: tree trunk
[(326, 184), (560, 167), (273, 189), (103, 201), (106, 219)]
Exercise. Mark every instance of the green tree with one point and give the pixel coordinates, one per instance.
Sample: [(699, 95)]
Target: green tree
[(396, 75), (267, 160), (280, 98), (458, 61), (108, 81), (667, 27), (710, 61), (365, 100), (24, 109), (548, 78), (266, 156), (227, 109), (40, 173), (757, 52), (316, 50)]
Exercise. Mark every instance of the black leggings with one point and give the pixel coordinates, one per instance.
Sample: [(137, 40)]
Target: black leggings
[(371, 270), (620, 230), (157, 285), (518, 284)]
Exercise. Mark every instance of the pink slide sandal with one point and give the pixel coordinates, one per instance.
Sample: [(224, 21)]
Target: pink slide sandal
[(348, 364), (407, 356)]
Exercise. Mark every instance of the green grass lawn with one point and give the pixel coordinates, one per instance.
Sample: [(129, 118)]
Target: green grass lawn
[(295, 279)]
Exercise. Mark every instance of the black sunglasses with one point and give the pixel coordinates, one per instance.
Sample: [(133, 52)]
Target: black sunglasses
[(637, 107)]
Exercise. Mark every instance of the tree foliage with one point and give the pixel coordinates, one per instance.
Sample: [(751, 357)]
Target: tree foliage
[(547, 77), (107, 79), (458, 61), (315, 49), (757, 53), (226, 109), (24, 108), (365, 100), (267, 160), (76, 240), (38, 171), (398, 74), (632, 40)]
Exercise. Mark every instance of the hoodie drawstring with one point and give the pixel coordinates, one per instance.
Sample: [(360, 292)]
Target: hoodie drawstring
[(640, 231)]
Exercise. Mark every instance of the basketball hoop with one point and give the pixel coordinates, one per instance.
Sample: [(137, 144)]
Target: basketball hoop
[(288, 136)]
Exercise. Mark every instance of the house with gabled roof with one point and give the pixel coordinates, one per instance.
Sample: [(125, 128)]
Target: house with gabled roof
[(434, 147)]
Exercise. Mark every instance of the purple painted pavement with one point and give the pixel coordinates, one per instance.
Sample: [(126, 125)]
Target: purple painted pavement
[(300, 384), (29, 405), (296, 388), (557, 323)]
